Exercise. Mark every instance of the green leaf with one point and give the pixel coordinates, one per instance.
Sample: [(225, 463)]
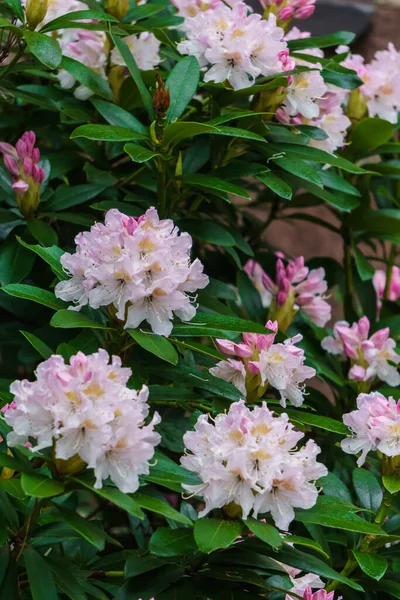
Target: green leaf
[(40, 486), (296, 166), (167, 473), (15, 262), (35, 294), (172, 542), (341, 77), (90, 530), (265, 532), (68, 196), (42, 232), (391, 483), (323, 41), (40, 577), (235, 132), (205, 321), (330, 512), (275, 184), (207, 231), (182, 84), (51, 255), (160, 507), (17, 9), (212, 534), (317, 155), (308, 543), (368, 490), (87, 77), (39, 346), (106, 133), (333, 486), (115, 115), (79, 15), (182, 130), (134, 70), (140, 154), (384, 221), (141, 563), (214, 183), (365, 270), (70, 319), (373, 565), (46, 49), (156, 344), (312, 564), (368, 134), (317, 421), (117, 497), (250, 298)]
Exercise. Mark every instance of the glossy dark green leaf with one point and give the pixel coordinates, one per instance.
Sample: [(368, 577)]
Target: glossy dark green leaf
[(365, 270), (275, 184), (43, 349), (212, 534), (42, 232), (140, 154), (250, 298), (373, 565), (160, 507), (46, 49), (156, 344), (182, 130), (117, 116), (182, 85), (214, 183), (51, 255), (35, 294), (207, 231), (78, 15), (70, 319), (17, 9), (368, 134), (322, 41), (327, 423), (90, 530), (87, 77), (15, 262), (106, 133), (265, 532), (41, 580), (172, 542), (117, 497), (39, 486), (368, 489), (391, 483)]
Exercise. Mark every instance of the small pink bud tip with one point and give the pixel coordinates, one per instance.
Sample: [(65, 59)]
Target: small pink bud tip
[(281, 298), (243, 351), (28, 166), (20, 187), (253, 367), (11, 165), (226, 347), (304, 13), (8, 150), (286, 13)]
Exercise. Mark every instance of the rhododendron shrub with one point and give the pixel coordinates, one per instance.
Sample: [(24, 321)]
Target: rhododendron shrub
[(192, 403)]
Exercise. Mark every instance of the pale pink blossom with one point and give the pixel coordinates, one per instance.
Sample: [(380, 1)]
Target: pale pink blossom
[(379, 281), (297, 9), (382, 85), (250, 458), (190, 8), (85, 408), (141, 266), (374, 425), (371, 357), (239, 46), (295, 284), (279, 365), (319, 595), (144, 48)]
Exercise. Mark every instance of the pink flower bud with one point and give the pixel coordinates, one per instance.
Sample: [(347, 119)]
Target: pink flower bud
[(281, 298), (11, 165), (363, 328), (253, 367), (226, 347), (267, 282), (349, 350), (22, 149), (304, 13), (286, 13), (20, 187), (36, 155), (298, 119), (38, 174), (243, 351), (250, 339), (357, 373), (380, 337), (28, 166), (8, 150), (282, 115), (272, 325)]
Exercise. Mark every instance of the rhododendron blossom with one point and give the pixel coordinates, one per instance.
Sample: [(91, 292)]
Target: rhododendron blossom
[(319, 595), (295, 288), (238, 45), (145, 49), (190, 8), (259, 362), (141, 266), (371, 357), (379, 281), (375, 425), (86, 409), (249, 457), (301, 584)]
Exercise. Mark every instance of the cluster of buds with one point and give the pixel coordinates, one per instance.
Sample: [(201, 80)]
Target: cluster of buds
[(257, 362), (295, 288), (379, 282), (22, 162), (286, 10), (319, 595), (371, 357)]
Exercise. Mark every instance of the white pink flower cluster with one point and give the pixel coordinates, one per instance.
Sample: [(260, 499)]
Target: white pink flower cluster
[(239, 46), (249, 458), (301, 584), (291, 9), (86, 409), (375, 425), (190, 8), (371, 357), (295, 288), (141, 266), (22, 162), (379, 281), (279, 365), (381, 78), (311, 101), (319, 595)]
